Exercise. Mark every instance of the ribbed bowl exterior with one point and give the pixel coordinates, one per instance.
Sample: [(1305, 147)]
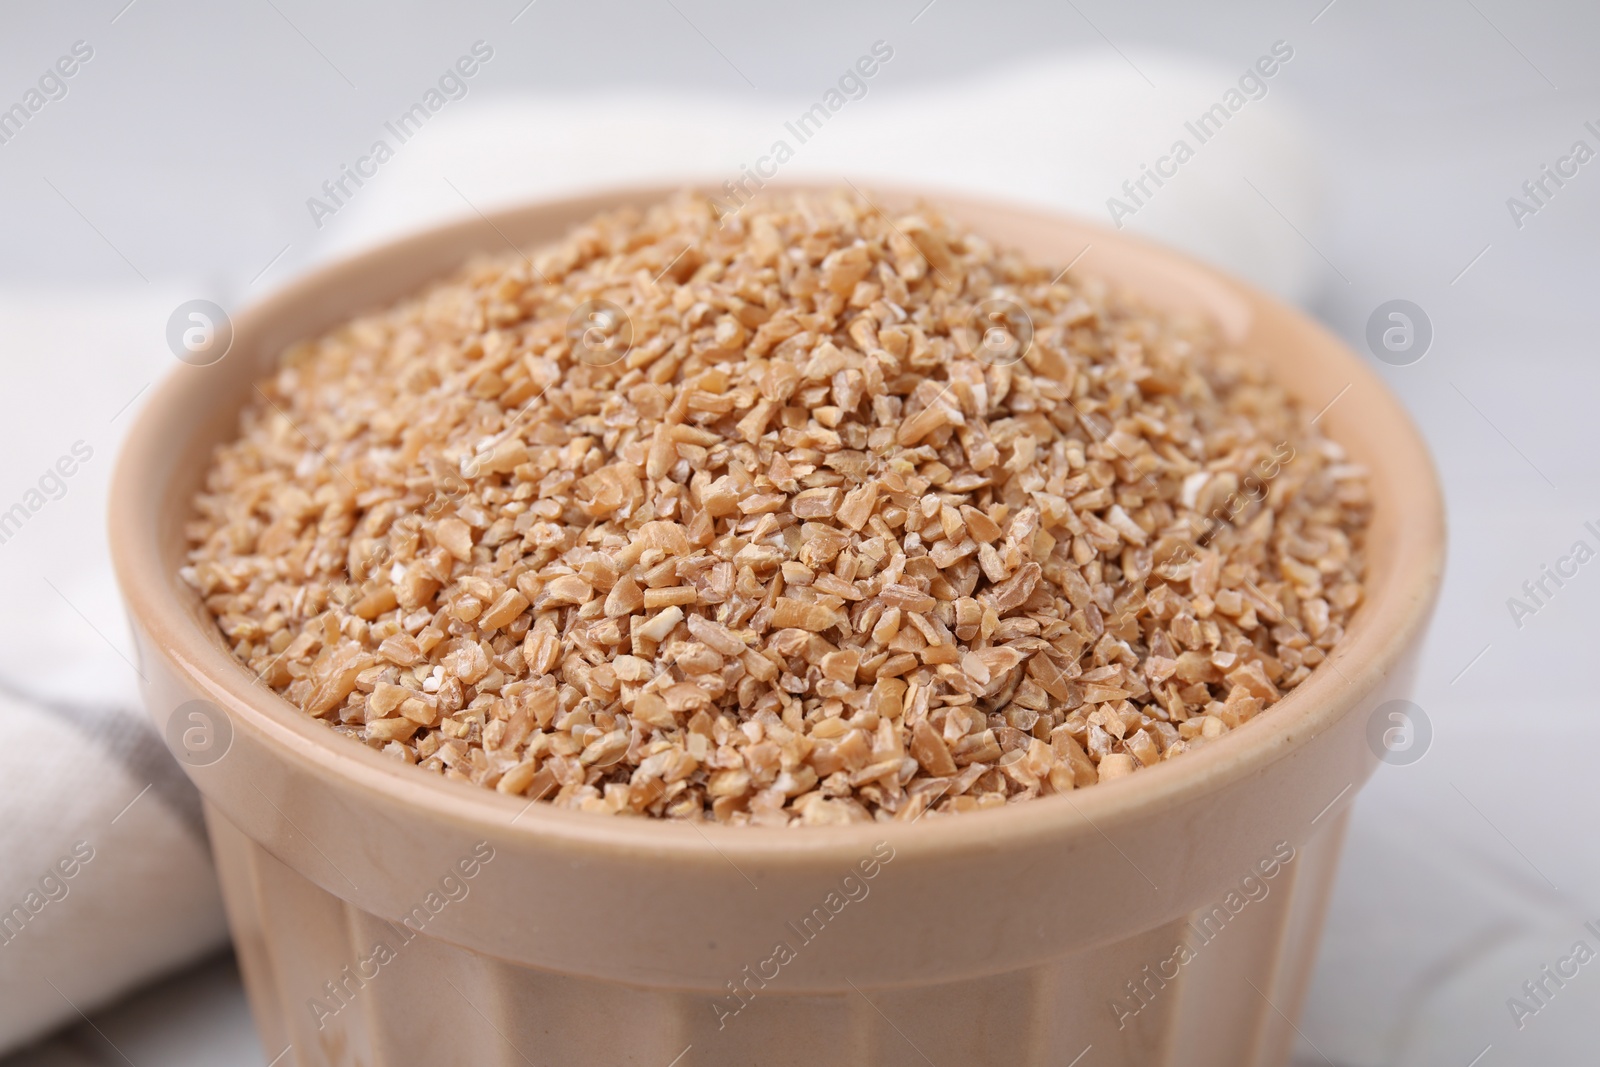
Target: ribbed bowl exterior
[(322, 998)]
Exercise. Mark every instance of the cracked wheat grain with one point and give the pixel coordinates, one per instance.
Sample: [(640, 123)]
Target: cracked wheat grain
[(802, 555)]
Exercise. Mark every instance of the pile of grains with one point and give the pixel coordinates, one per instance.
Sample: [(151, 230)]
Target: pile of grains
[(809, 515)]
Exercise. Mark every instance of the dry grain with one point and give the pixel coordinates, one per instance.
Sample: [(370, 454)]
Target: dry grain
[(799, 555)]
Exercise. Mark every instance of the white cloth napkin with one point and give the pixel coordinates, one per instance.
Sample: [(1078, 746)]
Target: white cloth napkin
[(105, 875), (85, 785), (1065, 134)]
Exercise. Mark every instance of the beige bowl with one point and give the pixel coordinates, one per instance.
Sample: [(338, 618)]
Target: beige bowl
[(384, 916)]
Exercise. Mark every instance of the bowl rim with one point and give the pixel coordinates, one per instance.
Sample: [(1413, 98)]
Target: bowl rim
[(1387, 623)]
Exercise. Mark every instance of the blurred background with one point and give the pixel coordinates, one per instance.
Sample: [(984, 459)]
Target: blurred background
[(1401, 155)]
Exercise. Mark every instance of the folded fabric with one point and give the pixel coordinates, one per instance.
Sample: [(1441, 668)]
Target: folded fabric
[(1084, 134), (109, 885), (106, 877), (106, 880)]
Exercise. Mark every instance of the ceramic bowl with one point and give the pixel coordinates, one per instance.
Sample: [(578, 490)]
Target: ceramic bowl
[(384, 916)]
